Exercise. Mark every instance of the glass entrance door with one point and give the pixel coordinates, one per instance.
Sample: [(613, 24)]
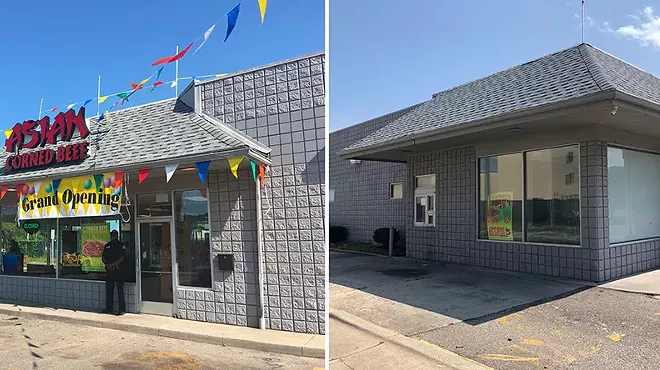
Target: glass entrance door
[(155, 266)]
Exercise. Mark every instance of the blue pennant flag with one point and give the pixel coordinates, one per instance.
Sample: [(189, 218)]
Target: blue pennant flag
[(56, 184), (87, 101), (232, 17), (202, 168)]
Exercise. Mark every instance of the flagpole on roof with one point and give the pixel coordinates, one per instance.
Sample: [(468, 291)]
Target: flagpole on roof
[(41, 105), (98, 97), (176, 74), (583, 21)]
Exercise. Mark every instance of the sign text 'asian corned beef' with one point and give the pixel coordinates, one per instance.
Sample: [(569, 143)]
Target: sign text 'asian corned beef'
[(37, 134)]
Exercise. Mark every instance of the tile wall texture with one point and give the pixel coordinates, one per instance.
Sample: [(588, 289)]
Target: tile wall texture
[(282, 106), (453, 239), (71, 294), (362, 191)]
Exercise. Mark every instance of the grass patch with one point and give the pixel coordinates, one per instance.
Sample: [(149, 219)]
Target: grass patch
[(366, 248)]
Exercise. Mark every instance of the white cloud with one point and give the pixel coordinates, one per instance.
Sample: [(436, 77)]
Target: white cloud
[(647, 31)]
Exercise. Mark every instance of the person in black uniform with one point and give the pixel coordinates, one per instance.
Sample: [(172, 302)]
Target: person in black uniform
[(113, 256)]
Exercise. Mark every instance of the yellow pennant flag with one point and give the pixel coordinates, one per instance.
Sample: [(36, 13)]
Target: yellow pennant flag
[(103, 98), (234, 162), (107, 116), (145, 80), (220, 75), (262, 8), (7, 133)]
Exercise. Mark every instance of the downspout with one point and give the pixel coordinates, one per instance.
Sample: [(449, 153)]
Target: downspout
[(260, 253)]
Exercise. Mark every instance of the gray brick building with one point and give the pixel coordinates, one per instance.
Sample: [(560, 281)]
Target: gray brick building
[(361, 196), (548, 167), (193, 247)]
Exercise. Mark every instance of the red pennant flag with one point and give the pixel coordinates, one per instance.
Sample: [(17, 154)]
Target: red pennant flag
[(173, 58), (19, 189), (262, 174), (54, 109), (4, 189), (158, 83), (119, 178), (136, 86), (142, 174)]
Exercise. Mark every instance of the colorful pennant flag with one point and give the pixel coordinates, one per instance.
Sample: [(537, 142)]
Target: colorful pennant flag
[(107, 115), (174, 83), (220, 75), (19, 189), (136, 86), (262, 9), (56, 184), (54, 109), (142, 174), (262, 174), (169, 171), (254, 170), (70, 106), (123, 95), (156, 84), (119, 178), (207, 34), (3, 191), (101, 118), (8, 133), (202, 168), (116, 104), (87, 102), (103, 99), (173, 58), (98, 180), (234, 162), (159, 72), (232, 17), (143, 82)]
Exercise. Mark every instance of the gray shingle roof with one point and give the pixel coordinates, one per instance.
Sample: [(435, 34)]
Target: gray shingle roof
[(577, 72), (156, 132)]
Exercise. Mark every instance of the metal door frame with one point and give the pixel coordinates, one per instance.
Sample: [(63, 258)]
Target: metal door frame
[(138, 259)]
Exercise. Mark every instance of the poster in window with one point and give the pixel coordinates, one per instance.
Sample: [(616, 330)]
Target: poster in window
[(93, 239), (500, 216)]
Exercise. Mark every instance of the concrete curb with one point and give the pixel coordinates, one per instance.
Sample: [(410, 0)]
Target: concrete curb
[(422, 347), (289, 343)]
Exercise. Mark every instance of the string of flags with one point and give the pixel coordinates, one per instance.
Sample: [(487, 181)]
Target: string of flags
[(258, 173), (232, 19)]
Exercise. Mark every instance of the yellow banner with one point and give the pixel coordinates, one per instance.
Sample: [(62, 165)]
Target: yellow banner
[(71, 197)]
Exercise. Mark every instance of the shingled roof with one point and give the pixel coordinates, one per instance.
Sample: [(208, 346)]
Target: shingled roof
[(572, 74), (155, 134)]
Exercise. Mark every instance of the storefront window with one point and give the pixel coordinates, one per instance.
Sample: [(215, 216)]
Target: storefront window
[(83, 240), (552, 202), (154, 205), (192, 238), (28, 247), (500, 197), (633, 195), (551, 192)]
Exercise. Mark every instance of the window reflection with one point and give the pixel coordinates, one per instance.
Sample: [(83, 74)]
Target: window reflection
[(30, 253), (192, 238), (500, 197)]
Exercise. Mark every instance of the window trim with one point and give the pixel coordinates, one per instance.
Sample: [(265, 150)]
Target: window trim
[(524, 193), (392, 190), (425, 192)]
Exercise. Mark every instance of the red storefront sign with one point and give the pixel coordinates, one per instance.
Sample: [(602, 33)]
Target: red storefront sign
[(36, 134)]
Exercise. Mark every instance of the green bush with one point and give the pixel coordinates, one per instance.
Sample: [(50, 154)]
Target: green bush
[(338, 234), (382, 236)]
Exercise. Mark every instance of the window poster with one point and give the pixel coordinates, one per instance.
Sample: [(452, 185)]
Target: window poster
[(94, 236), (500, 216)]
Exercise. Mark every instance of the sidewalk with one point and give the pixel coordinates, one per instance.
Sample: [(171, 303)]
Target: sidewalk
[(644, 283), (297, 344), (358, 344)]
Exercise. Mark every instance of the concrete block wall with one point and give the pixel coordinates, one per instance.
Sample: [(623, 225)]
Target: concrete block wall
[(362, 191), (234, 296), (454, 237), (85, 295), (283, 106)]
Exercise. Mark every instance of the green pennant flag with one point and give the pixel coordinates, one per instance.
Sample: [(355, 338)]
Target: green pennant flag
[(254, 170), (159, 72), (98, 179), (122, 95)]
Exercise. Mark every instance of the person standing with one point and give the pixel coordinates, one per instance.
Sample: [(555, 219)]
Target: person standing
[(113, 256)]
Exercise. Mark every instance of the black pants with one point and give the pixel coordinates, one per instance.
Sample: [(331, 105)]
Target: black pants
[(113, 277)]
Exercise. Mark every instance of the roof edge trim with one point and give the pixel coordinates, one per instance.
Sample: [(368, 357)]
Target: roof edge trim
[(236, 134)]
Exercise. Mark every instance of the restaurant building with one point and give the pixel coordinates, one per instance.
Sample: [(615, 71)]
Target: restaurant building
[(218, 195), (550, 167)]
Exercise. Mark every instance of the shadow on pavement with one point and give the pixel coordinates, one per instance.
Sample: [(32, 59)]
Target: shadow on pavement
[(413, 296)]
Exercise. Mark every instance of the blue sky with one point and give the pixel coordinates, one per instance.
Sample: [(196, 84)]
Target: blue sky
[(387, 55), (56, 49)]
